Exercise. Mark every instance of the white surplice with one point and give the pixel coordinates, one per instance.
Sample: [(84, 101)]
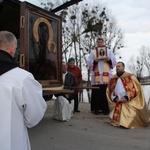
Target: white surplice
[(63, 110), (21, 106), (90, 59), (119, 90)]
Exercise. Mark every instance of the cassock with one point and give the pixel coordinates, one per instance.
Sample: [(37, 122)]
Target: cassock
[(132, 114), (63, 110), (101, 73)]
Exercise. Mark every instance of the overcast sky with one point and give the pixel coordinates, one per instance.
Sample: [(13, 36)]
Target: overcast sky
[(133, 17)]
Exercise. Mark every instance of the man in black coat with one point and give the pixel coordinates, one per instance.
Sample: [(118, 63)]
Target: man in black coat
[(64, 104)]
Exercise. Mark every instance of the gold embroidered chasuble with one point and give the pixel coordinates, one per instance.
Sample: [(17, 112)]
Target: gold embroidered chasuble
[(134, 113)]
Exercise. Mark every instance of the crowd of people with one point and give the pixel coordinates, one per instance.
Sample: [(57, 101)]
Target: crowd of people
[(119, 96)]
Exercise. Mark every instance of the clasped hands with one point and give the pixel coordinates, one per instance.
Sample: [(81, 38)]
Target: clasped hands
[(98, 59), (122, 100)]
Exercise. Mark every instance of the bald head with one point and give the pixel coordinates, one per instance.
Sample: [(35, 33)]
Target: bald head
[(8, 42)]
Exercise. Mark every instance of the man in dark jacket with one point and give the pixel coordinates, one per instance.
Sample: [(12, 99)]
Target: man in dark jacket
[(64, 104)]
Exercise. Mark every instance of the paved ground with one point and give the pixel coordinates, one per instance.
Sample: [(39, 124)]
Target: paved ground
[(86, 131)]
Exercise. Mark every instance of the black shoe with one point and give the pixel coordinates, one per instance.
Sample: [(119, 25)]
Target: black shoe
[(105, 113), (77, 110), (96, 112)]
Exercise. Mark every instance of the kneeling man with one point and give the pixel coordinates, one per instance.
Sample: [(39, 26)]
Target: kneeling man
[(64, 104), (126, 100)]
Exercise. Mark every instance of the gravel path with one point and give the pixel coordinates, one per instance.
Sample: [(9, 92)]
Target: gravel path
[(85, 112)]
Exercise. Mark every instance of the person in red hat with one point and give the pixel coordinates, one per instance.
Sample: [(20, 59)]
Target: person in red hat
[(77, 72)]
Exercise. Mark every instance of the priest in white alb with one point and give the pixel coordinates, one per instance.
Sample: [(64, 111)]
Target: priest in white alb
[(21, 101), (100, 62)]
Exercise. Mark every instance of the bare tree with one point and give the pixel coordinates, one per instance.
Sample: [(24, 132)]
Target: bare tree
[(145, 56), (140, 65), (132, 65), (136, 67), (82, 25)]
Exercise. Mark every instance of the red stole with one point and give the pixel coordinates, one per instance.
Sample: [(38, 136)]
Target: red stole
[(130, 89)]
